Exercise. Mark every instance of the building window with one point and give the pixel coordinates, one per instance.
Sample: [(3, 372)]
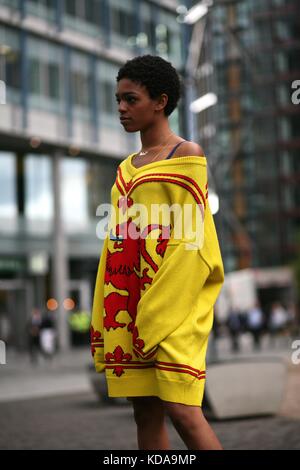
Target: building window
[(219, 48), (10, 3), (100, 178), (46, 75), (10, 63), (219, 19), (168, 42), (38, 188), (243, 14), (81, 88), (122, 17), (147, 35), (75, 193), (106, 88), (83, 16), (8, 205), (44, 9), (284, 129)]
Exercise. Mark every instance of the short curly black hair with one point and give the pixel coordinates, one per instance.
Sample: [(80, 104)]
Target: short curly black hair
[(157, 75)]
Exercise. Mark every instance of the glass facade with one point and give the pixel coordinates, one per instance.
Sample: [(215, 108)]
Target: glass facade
[(38, 188), (86, 183), (46, 75), (80, 81), (106, 88), (123, 22), (45, 9), (8, 204), (83, 16), (10, 62), (10, 3), (251, 44)]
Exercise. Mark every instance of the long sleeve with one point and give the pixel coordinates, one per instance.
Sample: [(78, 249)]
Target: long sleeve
[(97, 342), (187, 283)]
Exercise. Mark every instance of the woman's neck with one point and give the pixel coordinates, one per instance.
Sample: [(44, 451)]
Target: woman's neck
[(155, 136)]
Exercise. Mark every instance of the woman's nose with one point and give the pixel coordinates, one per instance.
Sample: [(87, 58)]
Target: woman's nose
[(122, 106)]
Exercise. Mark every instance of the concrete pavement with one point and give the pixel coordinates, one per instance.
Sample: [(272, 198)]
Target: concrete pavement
[(52, 406)]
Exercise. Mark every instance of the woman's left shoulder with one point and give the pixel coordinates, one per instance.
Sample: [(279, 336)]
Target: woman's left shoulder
[(189, 148)]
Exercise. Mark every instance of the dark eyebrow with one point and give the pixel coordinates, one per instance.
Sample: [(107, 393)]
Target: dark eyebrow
[(126, 94)]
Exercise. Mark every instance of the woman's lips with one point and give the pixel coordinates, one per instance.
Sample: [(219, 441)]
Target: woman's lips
[(124, 119)]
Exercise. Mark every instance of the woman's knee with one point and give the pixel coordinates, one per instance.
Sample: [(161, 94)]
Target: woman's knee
[(183, 414)]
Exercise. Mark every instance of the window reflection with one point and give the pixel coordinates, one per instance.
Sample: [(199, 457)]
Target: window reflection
[(42, 8), (8, 206), (122, 17), (38, 187), (10, 3), (83, 16), (106, 87), (10, 63), (81, 86), (74, 193), (46, 64)]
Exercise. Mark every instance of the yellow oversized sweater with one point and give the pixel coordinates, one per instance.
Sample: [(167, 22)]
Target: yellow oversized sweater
[(157, 283)]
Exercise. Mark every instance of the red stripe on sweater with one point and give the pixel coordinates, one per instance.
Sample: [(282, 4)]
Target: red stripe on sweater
[(119, 187), (128, 366), (169, 180), (144, 356), (181, 371), (184, 177), (170, 364)]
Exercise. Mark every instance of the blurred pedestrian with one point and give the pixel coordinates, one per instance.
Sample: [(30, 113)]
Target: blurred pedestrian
[(292, 319), (234, 326), (34, 329), (255, 323), (278, 321), (48, 336)]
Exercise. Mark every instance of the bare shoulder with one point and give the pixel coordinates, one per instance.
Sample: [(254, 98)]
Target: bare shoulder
[(189, 149)]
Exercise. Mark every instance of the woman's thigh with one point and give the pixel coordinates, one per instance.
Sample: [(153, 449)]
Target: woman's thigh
[(147, 407)]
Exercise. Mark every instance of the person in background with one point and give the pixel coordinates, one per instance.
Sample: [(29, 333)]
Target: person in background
[(48, 336), (234, 327), (278, 321), (255, 322), (34, 329)]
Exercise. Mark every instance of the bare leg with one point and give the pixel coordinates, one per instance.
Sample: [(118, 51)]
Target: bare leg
[(149, 415), (192, 427)]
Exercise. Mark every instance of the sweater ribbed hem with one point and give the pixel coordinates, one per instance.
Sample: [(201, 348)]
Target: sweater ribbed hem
[(167, 390)]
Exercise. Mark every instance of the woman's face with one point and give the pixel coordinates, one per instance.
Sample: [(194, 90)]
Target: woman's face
[(137, 110)]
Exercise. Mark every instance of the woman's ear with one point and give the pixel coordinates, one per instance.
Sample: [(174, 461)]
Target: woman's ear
[(161, 102)]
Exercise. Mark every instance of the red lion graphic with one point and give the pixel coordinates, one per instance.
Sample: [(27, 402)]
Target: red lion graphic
[(123, 270)]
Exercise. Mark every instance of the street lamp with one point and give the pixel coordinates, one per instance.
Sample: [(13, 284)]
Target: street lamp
[(204, 102)]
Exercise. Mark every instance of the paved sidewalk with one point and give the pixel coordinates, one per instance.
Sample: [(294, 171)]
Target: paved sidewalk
[(53, 406), (78, 421), (66, 374)]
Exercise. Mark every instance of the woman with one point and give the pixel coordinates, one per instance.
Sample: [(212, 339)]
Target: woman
[(155, 289)]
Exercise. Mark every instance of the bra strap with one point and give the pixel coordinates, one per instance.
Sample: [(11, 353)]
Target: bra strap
[(174, 149)]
